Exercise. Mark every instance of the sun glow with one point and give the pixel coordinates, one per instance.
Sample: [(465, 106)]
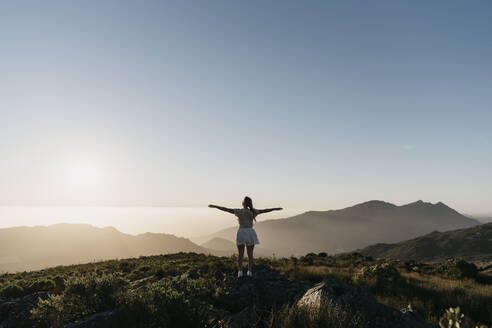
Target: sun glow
[(84, 175)]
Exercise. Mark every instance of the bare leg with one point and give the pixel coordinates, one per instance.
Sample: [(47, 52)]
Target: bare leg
[(250, 256), (240, 249)]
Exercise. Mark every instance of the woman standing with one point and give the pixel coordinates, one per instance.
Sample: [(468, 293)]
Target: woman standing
[(246, 235)]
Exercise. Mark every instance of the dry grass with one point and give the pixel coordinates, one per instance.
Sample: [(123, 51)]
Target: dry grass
[(326, 316), (428, 292)]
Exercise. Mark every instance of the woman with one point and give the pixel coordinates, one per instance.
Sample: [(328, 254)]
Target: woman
[(246, 235)]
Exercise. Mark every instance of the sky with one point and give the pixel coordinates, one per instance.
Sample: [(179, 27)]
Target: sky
[(313, 104)]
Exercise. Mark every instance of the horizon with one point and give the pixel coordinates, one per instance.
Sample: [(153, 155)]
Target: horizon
[(136, 220), (304, 106)]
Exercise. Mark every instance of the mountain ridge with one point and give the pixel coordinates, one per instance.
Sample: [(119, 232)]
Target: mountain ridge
[(353, 227), (471, 244), (29, 248)]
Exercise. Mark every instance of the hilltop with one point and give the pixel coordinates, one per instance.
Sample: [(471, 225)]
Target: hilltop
[(354, 227), (197, 290), (473, 244)]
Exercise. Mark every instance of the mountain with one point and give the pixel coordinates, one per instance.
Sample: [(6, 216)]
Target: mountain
[(472, 244), (485, 218), (29, 248), (355, 227)]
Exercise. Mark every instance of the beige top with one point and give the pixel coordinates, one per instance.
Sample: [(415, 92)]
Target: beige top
[(245, 217)]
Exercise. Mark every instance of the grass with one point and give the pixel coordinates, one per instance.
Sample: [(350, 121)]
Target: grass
[(80, 290)]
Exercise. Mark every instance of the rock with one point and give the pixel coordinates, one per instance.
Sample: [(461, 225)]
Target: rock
[(142, 283), (266, 289), (247, 318), (248, 300), (106, 319), (16, 313), (358, 301), (191, 274)]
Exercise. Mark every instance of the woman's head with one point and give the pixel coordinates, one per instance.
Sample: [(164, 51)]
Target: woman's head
[(247, 202)]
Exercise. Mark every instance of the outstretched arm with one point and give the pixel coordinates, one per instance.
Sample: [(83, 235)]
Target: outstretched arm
[(225, 209), (266, 210)]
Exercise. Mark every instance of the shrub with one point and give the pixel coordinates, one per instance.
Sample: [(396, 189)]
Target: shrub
[(12, 290), (458, 269), (40, 285), (172, 303), (453, 318), (82, 296), (50, 312), (126, 266), (93, 293), (377, 275)]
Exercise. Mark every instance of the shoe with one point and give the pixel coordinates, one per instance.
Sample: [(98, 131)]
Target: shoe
[(249, 274), (240, 273)]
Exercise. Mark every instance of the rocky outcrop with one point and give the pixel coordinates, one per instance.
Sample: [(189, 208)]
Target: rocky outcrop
[(359, 302), (265, 290), (248, 299)]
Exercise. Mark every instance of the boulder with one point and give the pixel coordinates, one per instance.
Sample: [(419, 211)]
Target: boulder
[(359, 302)]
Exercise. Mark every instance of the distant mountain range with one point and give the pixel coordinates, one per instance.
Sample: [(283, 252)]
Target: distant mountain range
[(472, 244), (354, 227), (29, 248), (482, 218)]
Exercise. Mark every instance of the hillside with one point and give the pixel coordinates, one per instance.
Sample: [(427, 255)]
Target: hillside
[(473, 244), (29, 248), (354, 227), (197, 290)]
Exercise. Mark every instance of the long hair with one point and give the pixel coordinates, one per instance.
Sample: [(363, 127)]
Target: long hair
[(249, 204)]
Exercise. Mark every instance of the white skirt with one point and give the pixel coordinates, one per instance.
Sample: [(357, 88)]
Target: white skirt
[(246, 236)]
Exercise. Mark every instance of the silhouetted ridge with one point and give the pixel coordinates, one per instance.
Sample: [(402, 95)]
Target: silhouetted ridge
[(372, 205), (471, 244), (354, 227)]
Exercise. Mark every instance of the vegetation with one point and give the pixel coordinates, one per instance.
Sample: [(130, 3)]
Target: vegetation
[(151, 292), (471, 244)]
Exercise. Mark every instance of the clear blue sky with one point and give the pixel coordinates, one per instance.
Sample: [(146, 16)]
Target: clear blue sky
[(316, 104)]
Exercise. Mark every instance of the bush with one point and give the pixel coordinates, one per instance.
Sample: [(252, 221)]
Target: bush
[(82, 296), (458, 269), (12, 290), (40, 285), (50, 312), (172, 303), (126, 266), (453, 318), (377, 275)]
